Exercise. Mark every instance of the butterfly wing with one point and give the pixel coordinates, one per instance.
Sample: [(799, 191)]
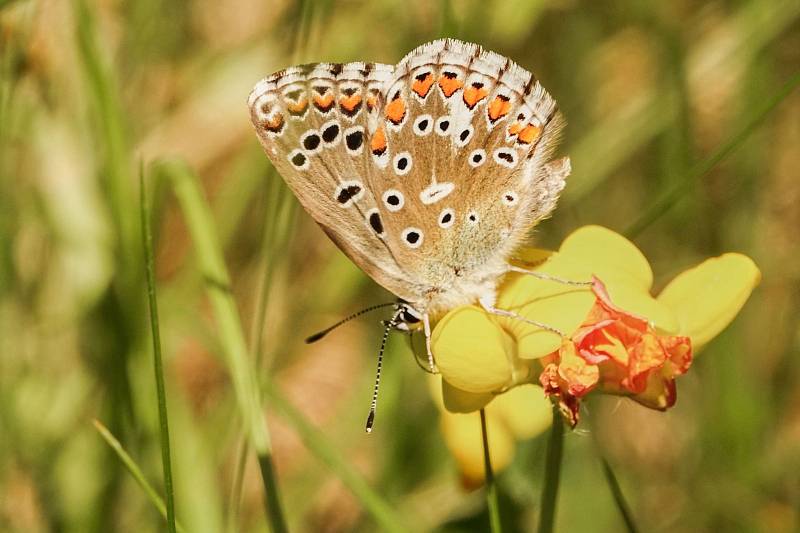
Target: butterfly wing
[(461, 145), (313, 123)]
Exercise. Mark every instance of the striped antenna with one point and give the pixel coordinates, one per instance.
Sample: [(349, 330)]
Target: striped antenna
[(389, 325), (317, 336)]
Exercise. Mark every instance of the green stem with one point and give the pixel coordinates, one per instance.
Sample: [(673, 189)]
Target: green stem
[(158, 367), (552, 473), (668, 199), (619, 498), (231, 335), (134, 470), (491, 487)]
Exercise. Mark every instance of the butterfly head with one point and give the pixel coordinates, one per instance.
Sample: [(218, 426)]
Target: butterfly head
[(407, 318)]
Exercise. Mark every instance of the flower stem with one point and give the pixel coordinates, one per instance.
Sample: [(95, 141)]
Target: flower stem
[(158, 366), (619, 498), (552, 473), (491, 488)]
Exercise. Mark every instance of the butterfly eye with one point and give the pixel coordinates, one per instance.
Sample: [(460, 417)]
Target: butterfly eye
[(465, 136), (402, 163), (477, 157), (447, 218), (423, 125), (409, 318), (510, 198), (412, 237), (505, 157), (298, 159), (442, 125), (472, 217), (394, 200), (330, 133), (311, 142)]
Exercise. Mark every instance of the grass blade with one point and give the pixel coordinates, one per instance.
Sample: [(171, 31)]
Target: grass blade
[(375, 505), (619, 498), (491, 489), (134, 470), (552, 473), (241, 368), (667, 199), (158, 367)]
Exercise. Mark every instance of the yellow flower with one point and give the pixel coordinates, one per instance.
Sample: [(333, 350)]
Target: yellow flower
[(521, 413), (619, 339)]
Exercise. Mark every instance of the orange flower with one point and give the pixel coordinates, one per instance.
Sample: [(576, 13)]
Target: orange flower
[(619, 353)]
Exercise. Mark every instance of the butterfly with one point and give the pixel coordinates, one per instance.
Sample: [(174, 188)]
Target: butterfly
[(428, 174)]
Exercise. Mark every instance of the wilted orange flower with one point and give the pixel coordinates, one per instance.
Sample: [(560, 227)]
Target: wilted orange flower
[(618, 352)]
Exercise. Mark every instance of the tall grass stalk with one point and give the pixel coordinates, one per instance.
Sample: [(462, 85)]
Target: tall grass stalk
[(669, 197), (231, 334), (109, 119), (491, 488), (275, 234), (158, 367), (135, 471), (612, 141), (383, 514)]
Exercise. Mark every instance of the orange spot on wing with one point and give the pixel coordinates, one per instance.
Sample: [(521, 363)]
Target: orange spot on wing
[(499, 107), (378, 143), (422, 85), (298, 107), (474, 94), (275, 124), (350, 103), (396, 110), (515, 128), (324, 102), (449, 83), (529, 134)]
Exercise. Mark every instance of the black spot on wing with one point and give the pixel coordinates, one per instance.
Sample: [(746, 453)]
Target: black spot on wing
[(354, 140)]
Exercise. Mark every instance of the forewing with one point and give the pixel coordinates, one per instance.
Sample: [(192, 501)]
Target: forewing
[(462, 140), (313, 123)]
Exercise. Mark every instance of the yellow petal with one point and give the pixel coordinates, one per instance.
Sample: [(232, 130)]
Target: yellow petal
[(460, 401), (462, 434), (603, 252), (591, 250), (559, 306), (472, 351), (633, 300), (707, 297), (524, 410)]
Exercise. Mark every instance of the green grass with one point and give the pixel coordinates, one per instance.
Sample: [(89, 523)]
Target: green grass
[(158, 365), (682, 132)]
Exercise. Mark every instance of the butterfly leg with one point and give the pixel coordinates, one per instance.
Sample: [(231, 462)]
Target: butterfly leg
[(548, 277), (426, 325), (489, 307)]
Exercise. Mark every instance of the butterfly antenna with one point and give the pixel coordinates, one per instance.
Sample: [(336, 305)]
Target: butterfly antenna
[(374, 405), (317, 336)]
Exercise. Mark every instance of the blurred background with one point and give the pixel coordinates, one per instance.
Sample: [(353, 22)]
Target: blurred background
[(90, 89)]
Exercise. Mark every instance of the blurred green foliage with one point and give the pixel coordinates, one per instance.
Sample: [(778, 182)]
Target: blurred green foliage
[(88, 89)]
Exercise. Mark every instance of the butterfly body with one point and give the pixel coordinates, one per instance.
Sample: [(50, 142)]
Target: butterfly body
[(427, 174)]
